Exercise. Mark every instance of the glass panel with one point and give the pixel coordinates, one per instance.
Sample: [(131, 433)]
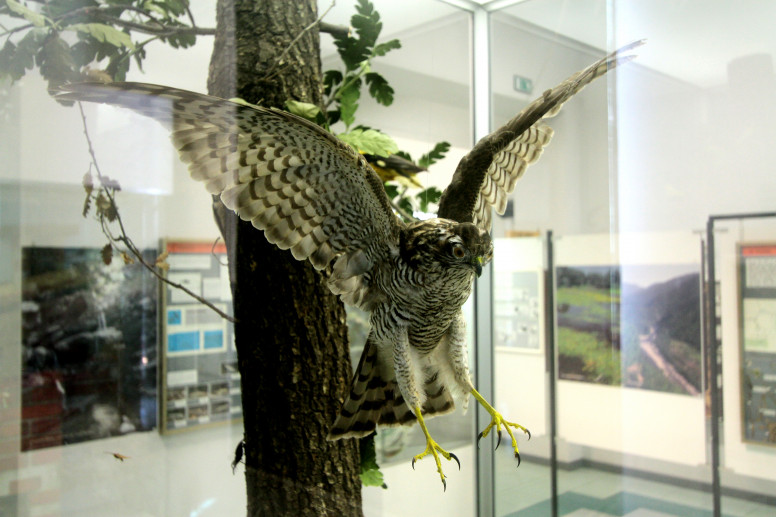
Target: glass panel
[(744, 261), (634, 170), (80, 360), (431, 75)]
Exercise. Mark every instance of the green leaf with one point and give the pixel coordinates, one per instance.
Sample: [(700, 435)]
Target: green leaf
[(303, 109), (391, 190), (105, 34), (370, 141), (406, 205), (367, 27), (429, 196), (15, 60), (383, 48), (333, 116), (118, 65), (31, 16), (55, 62), (406, 156), (331, 78), (370, 470), (436, 154), (348, 101), (181, 40), (372, 477), (379, 88)]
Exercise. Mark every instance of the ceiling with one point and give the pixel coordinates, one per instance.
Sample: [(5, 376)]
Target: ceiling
[(690, 40)]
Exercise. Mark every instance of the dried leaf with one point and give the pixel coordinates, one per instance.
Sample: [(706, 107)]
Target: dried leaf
[(111, 213), (107, 254), (87, 204), (127, 259), (161, 261), (109, 183)]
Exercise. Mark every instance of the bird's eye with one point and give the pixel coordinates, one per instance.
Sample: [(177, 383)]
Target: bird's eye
[(458, 251)]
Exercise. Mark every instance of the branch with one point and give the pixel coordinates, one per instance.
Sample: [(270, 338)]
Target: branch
[(337, 31), (156, 28), (124, 238)]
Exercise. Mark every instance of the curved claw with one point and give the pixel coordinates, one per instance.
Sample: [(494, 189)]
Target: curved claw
[(456, 460), (528, 433), (479, 437), (499, 439), (413, 463), (517, 455), (444, 485)]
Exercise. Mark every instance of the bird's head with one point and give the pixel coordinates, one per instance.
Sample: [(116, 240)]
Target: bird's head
[(453, 245)]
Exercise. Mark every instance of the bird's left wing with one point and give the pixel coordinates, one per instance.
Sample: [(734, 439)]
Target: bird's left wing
[(307, 190), (487, 174)]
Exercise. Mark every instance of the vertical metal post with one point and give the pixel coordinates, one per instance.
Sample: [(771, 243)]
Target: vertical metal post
[(712, 357), (484, 288), (549, 308)]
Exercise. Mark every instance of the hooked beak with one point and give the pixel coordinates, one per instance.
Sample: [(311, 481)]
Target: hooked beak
[(477, 265)]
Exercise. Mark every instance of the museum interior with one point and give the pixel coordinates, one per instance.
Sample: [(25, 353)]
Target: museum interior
[(628, 317)]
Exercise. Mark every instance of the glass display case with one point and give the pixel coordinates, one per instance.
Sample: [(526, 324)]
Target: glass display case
[(627, 318)]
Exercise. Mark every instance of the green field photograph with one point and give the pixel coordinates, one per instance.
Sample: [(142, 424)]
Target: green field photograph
[(636, 326)]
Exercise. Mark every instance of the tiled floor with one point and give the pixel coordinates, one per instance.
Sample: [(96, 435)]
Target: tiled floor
[(584, 492)]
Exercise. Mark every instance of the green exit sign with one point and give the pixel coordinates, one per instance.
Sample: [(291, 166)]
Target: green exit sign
[(522, 84)]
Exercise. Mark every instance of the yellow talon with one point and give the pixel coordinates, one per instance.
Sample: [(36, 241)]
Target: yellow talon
[(498, 420), (434, 449)]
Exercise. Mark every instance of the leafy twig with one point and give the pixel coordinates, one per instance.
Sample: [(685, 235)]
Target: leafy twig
[(109, 187)]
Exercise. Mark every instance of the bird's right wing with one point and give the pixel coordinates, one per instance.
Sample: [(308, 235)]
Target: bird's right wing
[(487, 174), (307, 190)]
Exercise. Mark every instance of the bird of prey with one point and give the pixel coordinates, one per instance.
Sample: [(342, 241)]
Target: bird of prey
[(316, 196)]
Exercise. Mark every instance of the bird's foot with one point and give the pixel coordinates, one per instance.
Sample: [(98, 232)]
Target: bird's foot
[(498, 421), (434, 449)]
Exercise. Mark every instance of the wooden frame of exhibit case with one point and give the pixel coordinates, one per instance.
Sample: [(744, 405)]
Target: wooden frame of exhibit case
[(757, 348), (200, 384)]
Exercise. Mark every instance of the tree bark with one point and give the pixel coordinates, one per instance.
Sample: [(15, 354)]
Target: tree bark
[(291, 335)]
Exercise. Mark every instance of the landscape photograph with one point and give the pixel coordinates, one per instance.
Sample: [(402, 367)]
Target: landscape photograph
[(89, 336), (631, 325)]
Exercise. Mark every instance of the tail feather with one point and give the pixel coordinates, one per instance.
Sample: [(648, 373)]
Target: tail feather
[(375, 399)]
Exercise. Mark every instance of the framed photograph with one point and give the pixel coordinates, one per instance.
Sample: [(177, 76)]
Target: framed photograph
[(200, 381), (89, 333), (757, 327), (632, 325)]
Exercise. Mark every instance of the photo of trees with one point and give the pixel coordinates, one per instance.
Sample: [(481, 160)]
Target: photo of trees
[(89, 333), (637, 326)]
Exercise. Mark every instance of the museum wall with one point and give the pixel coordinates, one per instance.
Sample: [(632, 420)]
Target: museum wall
[(665, 181)]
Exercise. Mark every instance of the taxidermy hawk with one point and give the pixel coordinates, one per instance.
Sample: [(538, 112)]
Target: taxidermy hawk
[(316, 196)]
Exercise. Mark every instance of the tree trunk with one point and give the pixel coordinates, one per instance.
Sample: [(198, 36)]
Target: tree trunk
[(291, 335)]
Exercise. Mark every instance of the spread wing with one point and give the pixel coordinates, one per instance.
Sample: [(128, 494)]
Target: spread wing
[(307, 190), (487, 174)]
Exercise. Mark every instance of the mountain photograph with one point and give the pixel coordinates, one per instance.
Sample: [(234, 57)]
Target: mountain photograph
[(632, 325)]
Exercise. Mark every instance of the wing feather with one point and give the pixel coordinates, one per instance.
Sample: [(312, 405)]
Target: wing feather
[(305, 189), (487, 174)]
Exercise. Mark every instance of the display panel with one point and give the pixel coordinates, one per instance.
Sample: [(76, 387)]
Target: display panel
[(200, 380), (757, 288)]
